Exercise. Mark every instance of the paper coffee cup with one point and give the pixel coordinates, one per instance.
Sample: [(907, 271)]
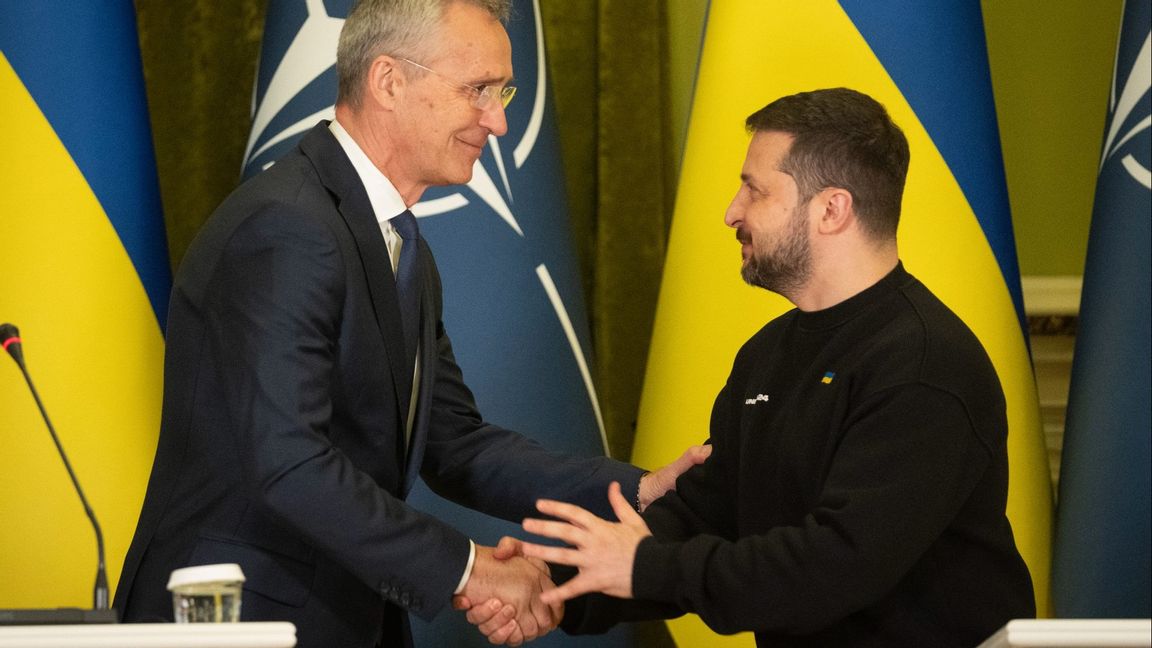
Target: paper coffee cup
[(207, 593)]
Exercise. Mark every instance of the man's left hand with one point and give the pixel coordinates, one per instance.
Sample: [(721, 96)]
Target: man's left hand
[(603, 551), (653, 485)]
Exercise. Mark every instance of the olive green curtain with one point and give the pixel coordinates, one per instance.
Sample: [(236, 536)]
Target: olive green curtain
[(199, 66), (609, 76), (607, 62)]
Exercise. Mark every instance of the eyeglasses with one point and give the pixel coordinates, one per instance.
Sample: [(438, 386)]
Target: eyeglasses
[(482, 96)]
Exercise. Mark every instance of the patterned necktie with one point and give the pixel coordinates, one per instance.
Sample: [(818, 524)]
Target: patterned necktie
[(408, 281)]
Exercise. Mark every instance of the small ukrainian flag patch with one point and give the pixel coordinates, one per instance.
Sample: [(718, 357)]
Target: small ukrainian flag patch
[(828, 376)]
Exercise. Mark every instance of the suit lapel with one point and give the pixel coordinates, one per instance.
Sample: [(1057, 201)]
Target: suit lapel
[(340, 177)]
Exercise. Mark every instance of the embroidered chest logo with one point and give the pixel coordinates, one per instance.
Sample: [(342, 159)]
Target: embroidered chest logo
[(759, 398), (829, 376)]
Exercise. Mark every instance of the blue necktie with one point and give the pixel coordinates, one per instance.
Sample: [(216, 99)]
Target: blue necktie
[(408, 281)]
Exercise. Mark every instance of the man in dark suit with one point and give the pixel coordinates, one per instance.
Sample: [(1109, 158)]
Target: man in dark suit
[(309, 379)]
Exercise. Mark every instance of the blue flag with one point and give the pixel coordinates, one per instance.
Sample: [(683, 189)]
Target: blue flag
[(512, 299), (1103, 544)]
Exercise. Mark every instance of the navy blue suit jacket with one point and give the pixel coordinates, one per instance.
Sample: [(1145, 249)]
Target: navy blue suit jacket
[(282, 444)]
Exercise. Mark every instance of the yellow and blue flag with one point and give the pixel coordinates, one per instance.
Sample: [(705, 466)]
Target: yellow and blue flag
[(927, 63), (86, 279), (1103, 552), (513, 304)]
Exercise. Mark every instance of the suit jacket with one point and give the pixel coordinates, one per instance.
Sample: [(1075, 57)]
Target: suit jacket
[(282, 444)]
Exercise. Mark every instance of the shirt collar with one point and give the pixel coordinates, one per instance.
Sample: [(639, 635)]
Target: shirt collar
[(386, 201)]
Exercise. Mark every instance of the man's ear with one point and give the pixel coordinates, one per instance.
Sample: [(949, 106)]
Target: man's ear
[(385, 81), (838, 210)]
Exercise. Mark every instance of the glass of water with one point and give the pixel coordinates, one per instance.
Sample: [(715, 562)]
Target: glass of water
[(207, 593)]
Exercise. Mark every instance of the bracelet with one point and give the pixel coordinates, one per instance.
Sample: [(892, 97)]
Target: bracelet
[(640, 509)]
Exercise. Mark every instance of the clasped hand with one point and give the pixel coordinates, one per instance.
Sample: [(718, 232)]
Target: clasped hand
[(512, 585)]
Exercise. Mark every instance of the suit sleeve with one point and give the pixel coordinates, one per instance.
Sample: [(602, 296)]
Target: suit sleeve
[(279, 298), (498, 471)]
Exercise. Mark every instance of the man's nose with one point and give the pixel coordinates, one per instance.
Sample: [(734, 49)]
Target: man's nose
[(493, 118)]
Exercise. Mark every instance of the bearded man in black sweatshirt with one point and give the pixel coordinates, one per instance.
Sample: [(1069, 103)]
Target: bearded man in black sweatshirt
[(857, 487)]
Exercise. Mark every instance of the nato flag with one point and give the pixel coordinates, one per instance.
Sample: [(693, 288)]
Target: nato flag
[(1101, 566)]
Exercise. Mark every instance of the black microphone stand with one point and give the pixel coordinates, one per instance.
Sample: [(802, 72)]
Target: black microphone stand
[(101, 612)]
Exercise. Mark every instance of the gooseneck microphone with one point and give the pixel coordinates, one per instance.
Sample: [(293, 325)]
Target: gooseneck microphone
[(10, 340)]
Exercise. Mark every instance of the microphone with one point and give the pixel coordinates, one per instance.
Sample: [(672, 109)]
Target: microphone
[(10, 340)]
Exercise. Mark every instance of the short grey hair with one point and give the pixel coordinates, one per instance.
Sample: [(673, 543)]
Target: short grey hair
[(400, 28)]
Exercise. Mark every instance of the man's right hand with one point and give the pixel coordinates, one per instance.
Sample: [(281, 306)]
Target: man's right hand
[(509, 587), (494, 619)]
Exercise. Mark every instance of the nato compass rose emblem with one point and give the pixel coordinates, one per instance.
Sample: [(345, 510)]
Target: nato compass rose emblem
[(1131, 112), (505, 250), (298, 91)]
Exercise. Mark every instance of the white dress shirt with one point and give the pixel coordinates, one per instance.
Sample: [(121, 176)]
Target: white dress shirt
[(386, 205)]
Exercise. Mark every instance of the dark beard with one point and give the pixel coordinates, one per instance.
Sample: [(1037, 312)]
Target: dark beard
[(786, 268)]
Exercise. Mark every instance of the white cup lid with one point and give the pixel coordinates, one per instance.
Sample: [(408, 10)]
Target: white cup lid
[(222, 573)]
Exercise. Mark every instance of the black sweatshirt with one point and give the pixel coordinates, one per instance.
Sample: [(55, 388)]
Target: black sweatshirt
[(856, 491)]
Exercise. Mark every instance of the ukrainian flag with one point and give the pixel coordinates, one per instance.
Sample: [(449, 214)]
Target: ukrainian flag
[(86, 278), (927, 63)]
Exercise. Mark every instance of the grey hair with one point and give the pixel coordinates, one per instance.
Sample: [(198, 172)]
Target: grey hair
[(401, 28)]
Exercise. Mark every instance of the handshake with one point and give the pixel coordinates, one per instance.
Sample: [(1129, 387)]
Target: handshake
[(510, 596), (504, 595)]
